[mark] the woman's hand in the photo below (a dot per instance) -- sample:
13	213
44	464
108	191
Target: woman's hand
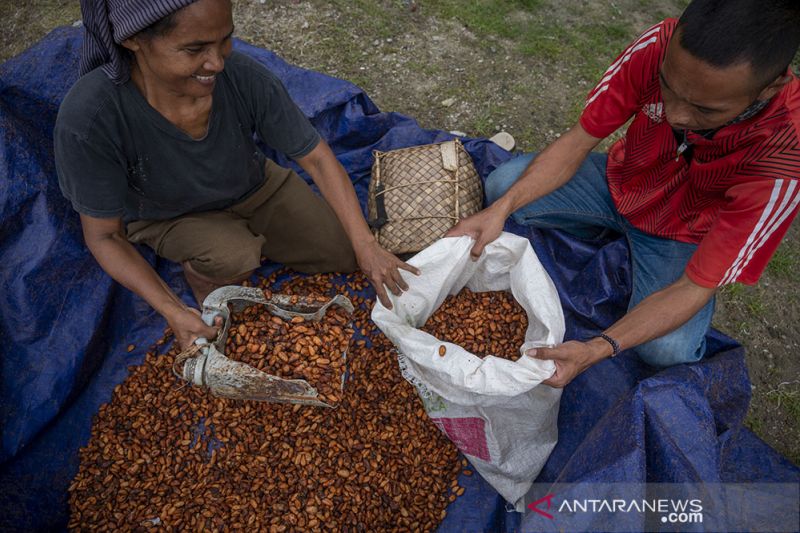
383	270
187	326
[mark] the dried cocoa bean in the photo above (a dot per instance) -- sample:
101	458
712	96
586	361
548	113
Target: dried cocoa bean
484	323
164	455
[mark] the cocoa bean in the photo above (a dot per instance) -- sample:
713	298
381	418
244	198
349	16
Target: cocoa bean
374	463
487	323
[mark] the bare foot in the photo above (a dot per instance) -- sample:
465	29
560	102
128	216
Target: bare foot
202	285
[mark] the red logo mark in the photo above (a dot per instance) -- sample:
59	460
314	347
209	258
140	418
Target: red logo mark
534	506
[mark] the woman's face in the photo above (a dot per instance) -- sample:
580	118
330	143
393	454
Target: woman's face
187	58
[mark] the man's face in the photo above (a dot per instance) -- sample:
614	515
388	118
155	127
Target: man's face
698	96
186	60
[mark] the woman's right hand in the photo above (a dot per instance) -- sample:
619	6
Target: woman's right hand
187	326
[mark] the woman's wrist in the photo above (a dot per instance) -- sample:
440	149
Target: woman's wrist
171	309
364	242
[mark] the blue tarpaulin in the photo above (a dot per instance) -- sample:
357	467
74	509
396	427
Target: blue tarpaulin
65	325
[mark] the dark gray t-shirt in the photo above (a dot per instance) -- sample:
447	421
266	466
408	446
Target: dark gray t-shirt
118	156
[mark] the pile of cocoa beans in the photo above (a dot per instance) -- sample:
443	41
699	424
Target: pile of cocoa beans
168	455
293	349
483	323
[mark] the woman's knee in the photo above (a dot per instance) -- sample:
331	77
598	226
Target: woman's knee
226	261
327	249
340	258
504	176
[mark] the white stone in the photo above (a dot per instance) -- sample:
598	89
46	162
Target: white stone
504	140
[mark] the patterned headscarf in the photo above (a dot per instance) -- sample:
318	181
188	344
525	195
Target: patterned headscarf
109	22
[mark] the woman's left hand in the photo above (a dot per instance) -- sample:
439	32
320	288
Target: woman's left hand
383	270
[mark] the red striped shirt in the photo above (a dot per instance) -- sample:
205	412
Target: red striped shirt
737	196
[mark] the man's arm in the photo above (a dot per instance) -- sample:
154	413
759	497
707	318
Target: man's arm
655	316
380	266
551	169
106	240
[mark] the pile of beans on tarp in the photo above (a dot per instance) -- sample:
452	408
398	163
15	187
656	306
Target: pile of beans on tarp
166	454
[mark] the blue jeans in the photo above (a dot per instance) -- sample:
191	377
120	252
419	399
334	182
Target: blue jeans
583	206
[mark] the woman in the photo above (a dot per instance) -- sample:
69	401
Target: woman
154	145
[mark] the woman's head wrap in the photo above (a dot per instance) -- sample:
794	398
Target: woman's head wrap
109	22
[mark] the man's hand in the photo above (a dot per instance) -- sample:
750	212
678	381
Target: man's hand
571	358
382	269
484	227
551	169
188	327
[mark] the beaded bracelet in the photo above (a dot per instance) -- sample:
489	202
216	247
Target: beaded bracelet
614	344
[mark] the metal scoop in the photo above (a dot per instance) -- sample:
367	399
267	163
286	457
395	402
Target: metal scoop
232	379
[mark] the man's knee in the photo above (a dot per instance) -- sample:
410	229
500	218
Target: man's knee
672	349
504	176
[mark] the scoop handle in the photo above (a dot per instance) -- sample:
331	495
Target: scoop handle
208	316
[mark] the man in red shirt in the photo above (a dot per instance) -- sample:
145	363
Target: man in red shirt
704	185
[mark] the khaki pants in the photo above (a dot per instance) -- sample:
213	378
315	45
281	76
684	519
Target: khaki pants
283	220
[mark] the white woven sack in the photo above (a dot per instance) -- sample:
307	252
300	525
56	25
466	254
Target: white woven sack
493	409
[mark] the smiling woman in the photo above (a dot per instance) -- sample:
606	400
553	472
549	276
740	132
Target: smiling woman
183	63
155	145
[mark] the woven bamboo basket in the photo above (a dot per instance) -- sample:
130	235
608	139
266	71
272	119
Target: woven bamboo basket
418	193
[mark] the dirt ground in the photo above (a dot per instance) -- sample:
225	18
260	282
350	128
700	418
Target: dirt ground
523	66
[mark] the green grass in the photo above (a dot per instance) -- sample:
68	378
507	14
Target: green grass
374	19
785	398
785	263
786	394
789	400
19	20
488	17
749	298
754	423
734	291
583	36
578	38
756	306
425	69
483	122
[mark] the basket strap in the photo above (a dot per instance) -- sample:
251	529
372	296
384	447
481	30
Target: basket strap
449	152
457	195
421	218
380	209
380	190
